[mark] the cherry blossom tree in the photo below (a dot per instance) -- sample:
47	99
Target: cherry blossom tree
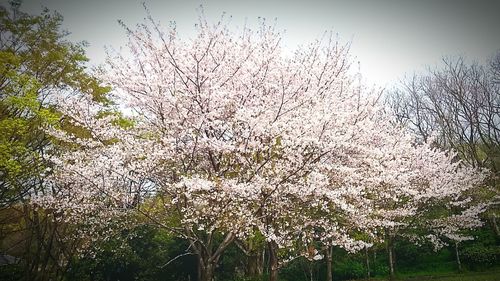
228	136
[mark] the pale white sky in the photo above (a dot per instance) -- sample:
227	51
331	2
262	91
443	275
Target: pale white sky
390	38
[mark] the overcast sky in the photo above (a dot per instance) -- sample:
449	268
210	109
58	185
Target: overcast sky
390	38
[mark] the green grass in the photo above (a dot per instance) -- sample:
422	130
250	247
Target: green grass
466	276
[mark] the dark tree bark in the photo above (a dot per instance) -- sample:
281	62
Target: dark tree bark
206	272
390	253
457	255
495	224
391	262
329	267
273	261
254	266
368	273
254	261
207	257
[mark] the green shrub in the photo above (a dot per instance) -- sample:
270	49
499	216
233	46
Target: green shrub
349	269
480	256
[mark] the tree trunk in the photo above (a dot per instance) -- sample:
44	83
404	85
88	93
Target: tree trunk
391	262
251	268
199	269
273	261
205	268
254	264
368	275
459	264
207	272
329	269
311	274
262	262
207	258
390	252
495	225
206	264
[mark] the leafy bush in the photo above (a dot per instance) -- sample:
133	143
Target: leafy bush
380	270
349	269
480	256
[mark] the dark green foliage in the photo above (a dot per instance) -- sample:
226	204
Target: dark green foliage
264	277
412	258
483	252
231	265
11	272
139	254
380	269
349	268
301	269
480	257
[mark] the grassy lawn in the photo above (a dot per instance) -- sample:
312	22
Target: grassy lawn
467	276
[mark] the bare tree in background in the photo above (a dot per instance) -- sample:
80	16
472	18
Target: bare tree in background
460	103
